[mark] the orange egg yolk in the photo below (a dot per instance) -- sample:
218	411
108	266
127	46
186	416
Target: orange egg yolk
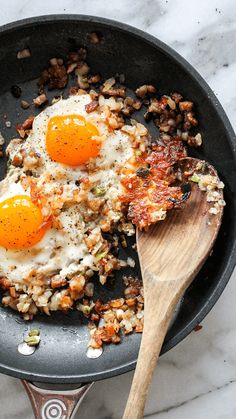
21	223
69	140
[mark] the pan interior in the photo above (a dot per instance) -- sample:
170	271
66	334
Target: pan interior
61	356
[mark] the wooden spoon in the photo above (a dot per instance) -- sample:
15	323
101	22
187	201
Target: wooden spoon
170	253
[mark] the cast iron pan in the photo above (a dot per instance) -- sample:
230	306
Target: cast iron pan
61	356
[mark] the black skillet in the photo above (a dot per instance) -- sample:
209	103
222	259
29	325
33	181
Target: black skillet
61	356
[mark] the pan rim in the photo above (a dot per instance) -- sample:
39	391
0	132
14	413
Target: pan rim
229	266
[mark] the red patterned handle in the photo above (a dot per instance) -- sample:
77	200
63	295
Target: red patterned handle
49	404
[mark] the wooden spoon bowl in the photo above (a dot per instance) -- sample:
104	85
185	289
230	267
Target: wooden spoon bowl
171	253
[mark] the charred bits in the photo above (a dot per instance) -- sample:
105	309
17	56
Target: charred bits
16	91
142	172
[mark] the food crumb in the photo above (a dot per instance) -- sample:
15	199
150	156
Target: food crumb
2	141
24	104
40	100
16	91
32	338
213	210
130	262
95	37
197	328
24	53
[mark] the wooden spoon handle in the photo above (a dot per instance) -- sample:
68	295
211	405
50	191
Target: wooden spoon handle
144	372
157	319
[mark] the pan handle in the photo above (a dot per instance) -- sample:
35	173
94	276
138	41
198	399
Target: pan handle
48	404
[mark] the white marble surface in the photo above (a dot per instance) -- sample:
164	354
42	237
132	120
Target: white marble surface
197	379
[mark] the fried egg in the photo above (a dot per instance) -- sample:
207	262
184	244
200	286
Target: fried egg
28	243
67	137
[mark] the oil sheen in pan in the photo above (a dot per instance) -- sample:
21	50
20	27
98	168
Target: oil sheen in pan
94	353
25	349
